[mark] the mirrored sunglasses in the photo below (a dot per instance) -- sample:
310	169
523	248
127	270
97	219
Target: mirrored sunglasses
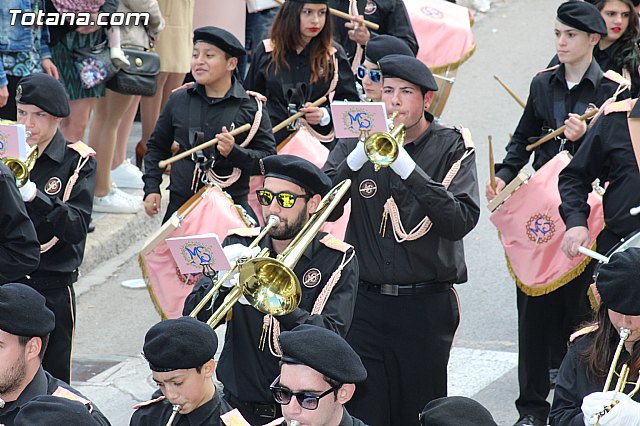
374	75
285	199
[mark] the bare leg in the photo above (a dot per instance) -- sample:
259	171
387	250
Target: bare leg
124	130
73	127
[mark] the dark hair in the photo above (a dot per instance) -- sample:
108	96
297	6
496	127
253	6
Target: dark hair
625	51
23	340
599	354
333	384
285	37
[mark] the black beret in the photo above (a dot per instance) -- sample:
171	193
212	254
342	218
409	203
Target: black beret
618	282
455	411
23	311
45	92
220	38
177	344
409	69
297	170
44	410
582	16
382	45
324	351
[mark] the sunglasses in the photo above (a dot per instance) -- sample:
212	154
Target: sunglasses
285	199
374	75
306	400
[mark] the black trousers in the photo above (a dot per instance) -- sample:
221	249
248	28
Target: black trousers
542	322
404	343
57	357
8	112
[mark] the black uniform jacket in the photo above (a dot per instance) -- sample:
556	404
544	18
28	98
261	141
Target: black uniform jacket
45	384
245	370
52	217
180	115
347	420
158	412
573	384
606	153
263	79
19	247
391	15
549	103
436	257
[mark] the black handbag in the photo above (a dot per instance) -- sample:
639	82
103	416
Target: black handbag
140	78
94	65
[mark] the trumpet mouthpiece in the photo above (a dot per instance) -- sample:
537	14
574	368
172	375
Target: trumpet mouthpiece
273	220
624	333
294	423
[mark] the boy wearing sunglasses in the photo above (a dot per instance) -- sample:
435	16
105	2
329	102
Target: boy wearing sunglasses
327	270
318	375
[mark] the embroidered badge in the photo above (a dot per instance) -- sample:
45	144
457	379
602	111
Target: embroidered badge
53	186
432	12
370	8
367	188
540	228
311	278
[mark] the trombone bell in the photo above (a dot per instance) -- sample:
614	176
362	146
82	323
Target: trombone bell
270	286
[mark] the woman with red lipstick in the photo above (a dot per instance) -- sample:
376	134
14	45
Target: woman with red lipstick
300	63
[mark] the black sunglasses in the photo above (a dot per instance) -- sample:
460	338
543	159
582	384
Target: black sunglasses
285	199
307	400
374	75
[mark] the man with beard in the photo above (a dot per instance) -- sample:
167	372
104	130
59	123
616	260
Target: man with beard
25	324
327	270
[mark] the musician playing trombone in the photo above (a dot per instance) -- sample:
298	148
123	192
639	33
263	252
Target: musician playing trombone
557	97
328	275
580	396
211	108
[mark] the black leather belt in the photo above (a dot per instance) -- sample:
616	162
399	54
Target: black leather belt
406	289
266	411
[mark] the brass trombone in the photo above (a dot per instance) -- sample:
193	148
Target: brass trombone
269	284
382	148
22	169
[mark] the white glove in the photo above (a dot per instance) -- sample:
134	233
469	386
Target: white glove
594	403
404	164
28	191
326	117
626	412
357	158
232	282
235	251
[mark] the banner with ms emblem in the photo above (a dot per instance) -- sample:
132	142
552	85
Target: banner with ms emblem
531	231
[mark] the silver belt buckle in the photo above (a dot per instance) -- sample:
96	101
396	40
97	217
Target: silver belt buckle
389	289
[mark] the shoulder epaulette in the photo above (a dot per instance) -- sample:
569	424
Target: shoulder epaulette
466	137
257	95
616	78
548	69
244	232
82	148
625	105
268	46
234	418
335	244
582	332
68	394
146	403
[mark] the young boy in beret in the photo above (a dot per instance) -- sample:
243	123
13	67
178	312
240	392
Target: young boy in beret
59	201
25	325
558	96
455	411
210	108
318	375
180	354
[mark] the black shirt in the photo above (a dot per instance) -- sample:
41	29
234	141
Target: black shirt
606	153
158	413
67	221
263	79
391	15
548	105
174	123
244	369
438	256
19	247
347	420
44	383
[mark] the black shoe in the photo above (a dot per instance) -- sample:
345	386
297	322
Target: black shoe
553	377
91	227
529	420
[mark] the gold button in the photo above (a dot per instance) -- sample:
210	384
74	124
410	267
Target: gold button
138	62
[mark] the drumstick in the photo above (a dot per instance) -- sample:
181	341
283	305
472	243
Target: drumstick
593	254
297	115
492	167
511	92
234	132
340	14
559	131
